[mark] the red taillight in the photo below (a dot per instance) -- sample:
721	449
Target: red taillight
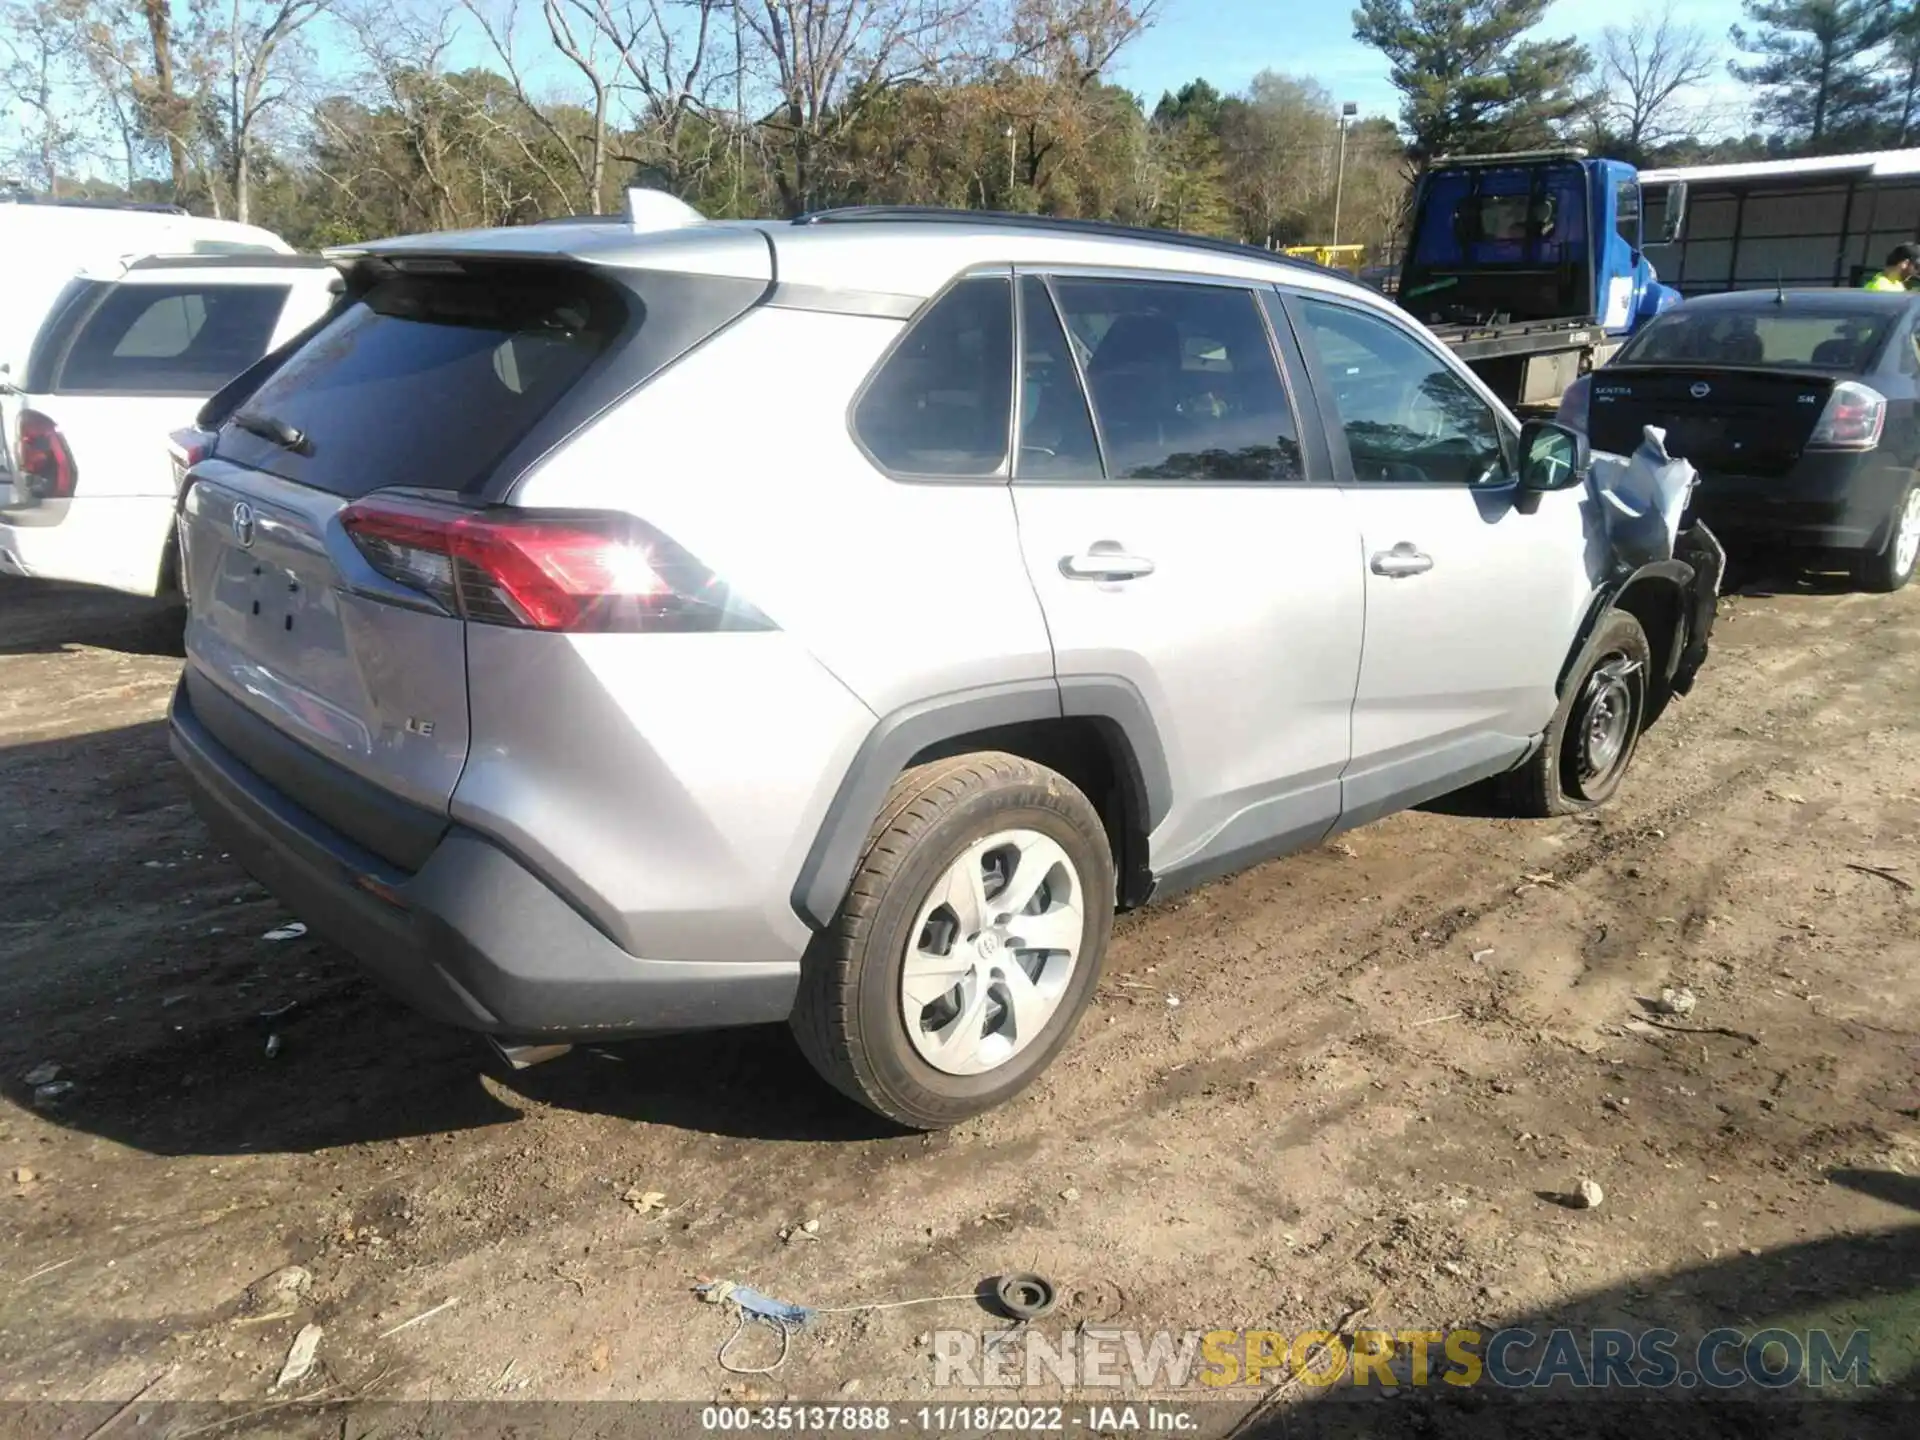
544	571
186	448
1854	416
45	458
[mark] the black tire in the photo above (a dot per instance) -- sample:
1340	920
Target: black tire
848	1016
1556	780
1881	571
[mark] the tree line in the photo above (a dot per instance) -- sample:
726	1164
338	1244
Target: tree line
336	120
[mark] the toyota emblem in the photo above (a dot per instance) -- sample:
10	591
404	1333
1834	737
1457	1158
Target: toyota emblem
243	525
1700	390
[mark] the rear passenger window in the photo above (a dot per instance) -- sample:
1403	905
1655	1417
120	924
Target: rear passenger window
941	401
171	339
1184	381
1056	432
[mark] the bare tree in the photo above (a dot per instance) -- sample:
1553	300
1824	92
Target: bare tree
668	62
38	57
256	42
827	61
1646	72
1054	53
586	155
163	109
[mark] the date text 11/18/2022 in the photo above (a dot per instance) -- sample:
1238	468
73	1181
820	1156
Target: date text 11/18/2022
948	1419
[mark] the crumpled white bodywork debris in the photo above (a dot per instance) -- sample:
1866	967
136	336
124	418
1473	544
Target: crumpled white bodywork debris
1640	499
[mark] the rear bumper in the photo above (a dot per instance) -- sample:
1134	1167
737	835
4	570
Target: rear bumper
1837	501
118	541
473	938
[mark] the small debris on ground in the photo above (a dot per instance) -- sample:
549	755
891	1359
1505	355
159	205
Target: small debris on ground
276	1294
293	930
45	1073
23	1176
1885	872
273	1045
1585	1195
1674	1000
806	1230
423	1315
644	1200
300	1356
52	1092
1483	954
1070	1194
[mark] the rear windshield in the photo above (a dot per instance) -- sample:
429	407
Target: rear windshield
428	380
186	339
1834	339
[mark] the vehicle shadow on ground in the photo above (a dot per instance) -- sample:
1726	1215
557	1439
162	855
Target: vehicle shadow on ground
1839	1284
752	1084
352	1067
1763	576
41	617
134	959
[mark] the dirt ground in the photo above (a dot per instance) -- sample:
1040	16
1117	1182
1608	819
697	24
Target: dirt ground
1385	1057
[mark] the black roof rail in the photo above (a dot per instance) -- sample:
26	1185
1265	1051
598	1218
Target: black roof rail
937	215
232	260
18	197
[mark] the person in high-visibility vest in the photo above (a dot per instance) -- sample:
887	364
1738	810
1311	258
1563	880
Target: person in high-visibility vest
1903	263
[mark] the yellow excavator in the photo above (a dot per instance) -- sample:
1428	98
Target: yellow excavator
1334	257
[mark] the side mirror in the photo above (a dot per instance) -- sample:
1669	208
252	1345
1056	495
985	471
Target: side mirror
1552	456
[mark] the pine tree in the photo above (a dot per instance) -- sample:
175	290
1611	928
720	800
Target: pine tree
1815	68
1468	82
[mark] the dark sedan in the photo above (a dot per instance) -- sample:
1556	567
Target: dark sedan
1800	410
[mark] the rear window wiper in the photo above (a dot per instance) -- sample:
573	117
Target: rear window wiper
271	427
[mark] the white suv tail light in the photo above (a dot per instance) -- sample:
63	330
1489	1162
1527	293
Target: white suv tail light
1853	419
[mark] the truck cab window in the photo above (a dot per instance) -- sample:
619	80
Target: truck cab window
1626	212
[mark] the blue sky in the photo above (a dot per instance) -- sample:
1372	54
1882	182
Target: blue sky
1230	41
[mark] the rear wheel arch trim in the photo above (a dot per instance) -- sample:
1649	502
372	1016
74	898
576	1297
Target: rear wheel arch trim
904	733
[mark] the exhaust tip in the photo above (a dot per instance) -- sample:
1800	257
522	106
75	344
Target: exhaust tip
520	1057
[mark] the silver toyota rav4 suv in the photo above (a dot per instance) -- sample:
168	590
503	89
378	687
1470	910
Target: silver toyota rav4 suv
600	629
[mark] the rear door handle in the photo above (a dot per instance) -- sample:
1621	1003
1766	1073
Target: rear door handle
1105	560
1402	560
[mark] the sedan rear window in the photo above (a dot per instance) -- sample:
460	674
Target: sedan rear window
428	379
187	339
1798	338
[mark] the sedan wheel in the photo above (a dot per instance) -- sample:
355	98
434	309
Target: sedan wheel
1891	567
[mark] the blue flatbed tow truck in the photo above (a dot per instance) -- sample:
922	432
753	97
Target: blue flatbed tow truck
1532	265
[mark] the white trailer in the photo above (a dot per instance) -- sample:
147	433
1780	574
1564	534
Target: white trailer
1827	220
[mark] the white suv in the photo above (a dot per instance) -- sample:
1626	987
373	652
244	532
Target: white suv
601	630
122	360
